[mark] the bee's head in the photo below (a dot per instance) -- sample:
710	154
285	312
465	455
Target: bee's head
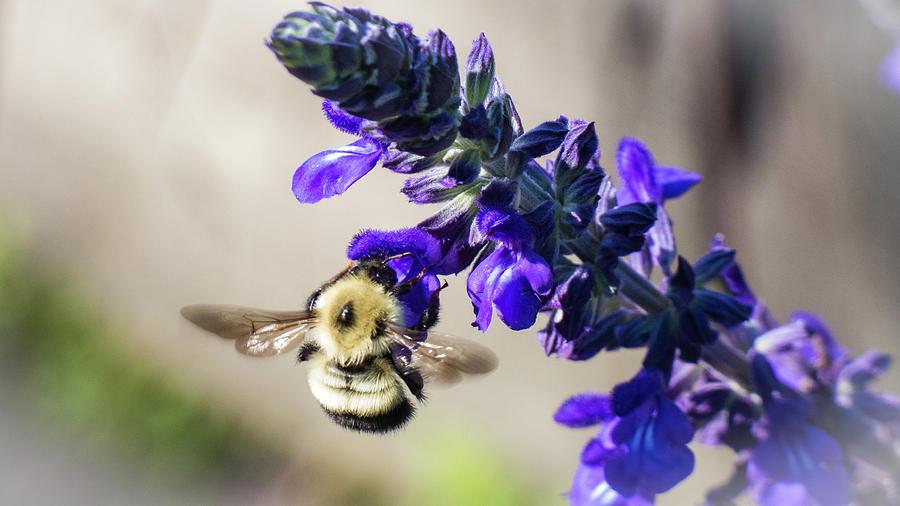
378	271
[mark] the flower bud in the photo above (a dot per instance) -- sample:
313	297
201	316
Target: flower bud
479	71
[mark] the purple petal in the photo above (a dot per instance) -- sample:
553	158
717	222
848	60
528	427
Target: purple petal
590	488
451	226
815	324
385	243
517	305
677	429
416	300
636	168
781	337
657	457
781	493
504	225
674	181
880	406
331	172
530	266
513	281
584	410
597	452
732	275
804	455
482	283
517	295
636	391
890	70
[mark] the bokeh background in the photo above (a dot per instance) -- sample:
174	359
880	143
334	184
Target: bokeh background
146	153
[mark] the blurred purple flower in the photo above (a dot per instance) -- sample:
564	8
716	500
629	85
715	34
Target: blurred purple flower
890	70
797	463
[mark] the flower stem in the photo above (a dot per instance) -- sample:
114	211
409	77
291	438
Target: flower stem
640	290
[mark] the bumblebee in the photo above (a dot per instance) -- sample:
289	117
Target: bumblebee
366	365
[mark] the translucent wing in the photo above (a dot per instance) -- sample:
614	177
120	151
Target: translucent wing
440	357
258	332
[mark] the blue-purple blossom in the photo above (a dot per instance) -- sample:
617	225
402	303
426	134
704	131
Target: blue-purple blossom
513	281
642	452
797	462
415	251
513	278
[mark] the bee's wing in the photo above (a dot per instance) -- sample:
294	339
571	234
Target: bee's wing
443	358
258	332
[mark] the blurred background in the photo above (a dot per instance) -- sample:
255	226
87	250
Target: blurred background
146	154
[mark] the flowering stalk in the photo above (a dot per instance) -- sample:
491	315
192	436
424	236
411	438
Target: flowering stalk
543	230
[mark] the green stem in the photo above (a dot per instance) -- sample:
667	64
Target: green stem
640	290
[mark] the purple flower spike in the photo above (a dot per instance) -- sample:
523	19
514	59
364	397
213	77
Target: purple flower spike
514	282
331	172
890	70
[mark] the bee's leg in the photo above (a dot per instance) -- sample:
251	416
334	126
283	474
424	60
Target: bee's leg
406	286
430	315
401	358
308	349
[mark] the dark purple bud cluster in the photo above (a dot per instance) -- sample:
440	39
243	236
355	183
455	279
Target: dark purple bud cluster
406	89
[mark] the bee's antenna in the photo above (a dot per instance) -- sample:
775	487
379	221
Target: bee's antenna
401	255
406	286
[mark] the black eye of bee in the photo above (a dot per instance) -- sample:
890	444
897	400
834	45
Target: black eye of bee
345	317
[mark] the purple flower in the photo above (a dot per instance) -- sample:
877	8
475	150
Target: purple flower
513	281
655	435
797	463
419	251
644	181
513	277
641	451
890	70
332	171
